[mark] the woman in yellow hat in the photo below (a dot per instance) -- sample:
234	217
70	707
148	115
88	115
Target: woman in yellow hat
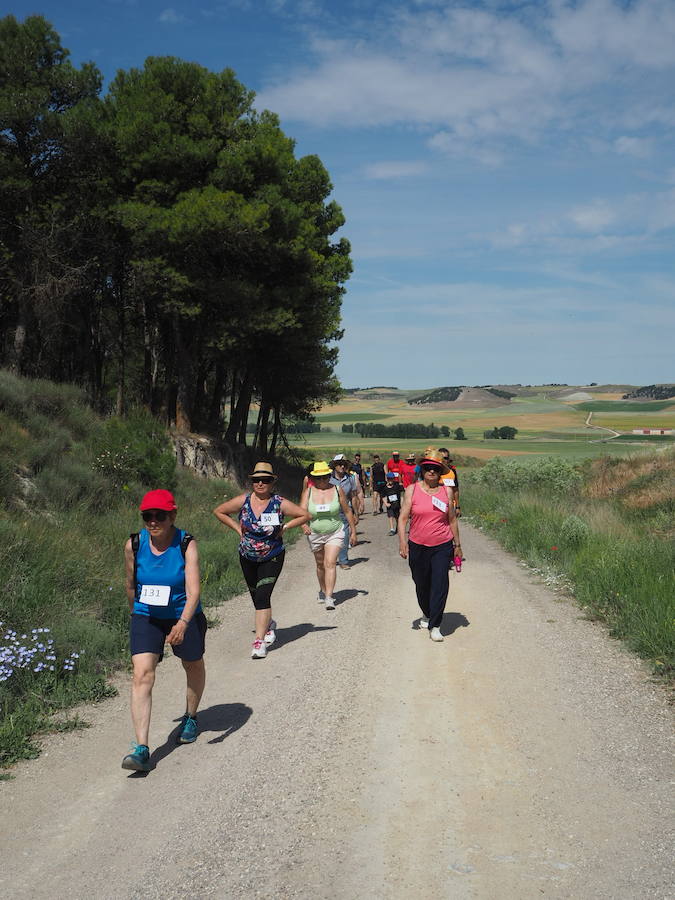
260	526
433	539
326	533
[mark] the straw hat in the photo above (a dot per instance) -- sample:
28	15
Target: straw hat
263	468
433	456
321	468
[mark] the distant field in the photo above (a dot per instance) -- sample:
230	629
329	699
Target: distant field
546	425
646	438
622	406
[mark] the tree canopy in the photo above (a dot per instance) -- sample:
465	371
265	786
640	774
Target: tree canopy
163	245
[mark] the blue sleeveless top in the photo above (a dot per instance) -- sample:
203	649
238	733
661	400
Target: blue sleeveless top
260	542
165	570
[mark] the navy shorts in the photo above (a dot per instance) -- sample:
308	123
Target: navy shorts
147	634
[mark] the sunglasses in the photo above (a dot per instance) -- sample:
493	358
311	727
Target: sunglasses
262	479
435	469
320	476
159	515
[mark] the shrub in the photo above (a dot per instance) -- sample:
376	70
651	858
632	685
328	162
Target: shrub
135	449
548	474
574	531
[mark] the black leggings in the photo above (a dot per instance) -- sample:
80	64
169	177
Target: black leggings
429	567
261	578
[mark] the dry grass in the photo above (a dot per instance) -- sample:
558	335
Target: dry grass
642	481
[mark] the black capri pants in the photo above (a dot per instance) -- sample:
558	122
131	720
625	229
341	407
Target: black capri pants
261	578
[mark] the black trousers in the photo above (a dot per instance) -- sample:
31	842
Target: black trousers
429	567
261	578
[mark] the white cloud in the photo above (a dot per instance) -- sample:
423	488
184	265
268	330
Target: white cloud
395	169
640	148
169	16
594	217
482	80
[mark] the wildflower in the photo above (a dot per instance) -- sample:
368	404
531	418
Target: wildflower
554	548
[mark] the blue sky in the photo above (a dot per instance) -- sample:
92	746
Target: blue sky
506	168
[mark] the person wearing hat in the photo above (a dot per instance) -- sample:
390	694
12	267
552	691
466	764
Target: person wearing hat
328	507
162	583
392	500
408	470
394	464
260	526
432	541
342	479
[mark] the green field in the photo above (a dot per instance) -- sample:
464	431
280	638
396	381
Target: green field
621	406
546	425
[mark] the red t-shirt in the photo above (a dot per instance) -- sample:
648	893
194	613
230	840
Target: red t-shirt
394	467
407	473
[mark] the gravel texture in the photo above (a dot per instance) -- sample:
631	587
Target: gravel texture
528	755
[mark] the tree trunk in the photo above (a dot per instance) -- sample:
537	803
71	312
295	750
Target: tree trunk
215	414
275	431
263	427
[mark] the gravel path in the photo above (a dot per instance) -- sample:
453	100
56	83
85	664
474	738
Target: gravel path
526	756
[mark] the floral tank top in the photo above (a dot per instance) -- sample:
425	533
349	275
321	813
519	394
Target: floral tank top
261	538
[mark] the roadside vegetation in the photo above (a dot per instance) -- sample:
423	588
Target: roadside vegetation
603	529
70	484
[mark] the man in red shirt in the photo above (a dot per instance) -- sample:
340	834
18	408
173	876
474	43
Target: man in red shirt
408	470
394	465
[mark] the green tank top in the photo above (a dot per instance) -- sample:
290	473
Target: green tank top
325	516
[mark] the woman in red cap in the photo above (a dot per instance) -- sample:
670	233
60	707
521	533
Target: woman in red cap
162	580
260	526
434	533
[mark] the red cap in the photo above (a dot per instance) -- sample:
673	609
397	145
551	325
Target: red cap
159	499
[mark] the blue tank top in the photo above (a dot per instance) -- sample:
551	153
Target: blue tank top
156	572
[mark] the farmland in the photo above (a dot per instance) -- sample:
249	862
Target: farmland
547	423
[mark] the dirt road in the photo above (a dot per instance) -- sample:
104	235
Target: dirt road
527	756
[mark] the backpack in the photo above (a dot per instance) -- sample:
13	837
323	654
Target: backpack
136	543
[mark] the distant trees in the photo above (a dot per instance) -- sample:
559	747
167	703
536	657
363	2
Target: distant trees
459	434
505	433
163	245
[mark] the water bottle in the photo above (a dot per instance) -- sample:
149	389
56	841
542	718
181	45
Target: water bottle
458	564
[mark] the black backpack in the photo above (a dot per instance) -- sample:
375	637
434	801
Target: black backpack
136	543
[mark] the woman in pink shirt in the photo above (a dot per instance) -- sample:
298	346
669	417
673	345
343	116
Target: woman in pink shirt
432	542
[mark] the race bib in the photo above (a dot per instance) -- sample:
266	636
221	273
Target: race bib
322	507
393	498
155	594
270	519
448	482
439	504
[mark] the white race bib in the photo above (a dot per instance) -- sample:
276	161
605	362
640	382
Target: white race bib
155	594
393	498
448	482
439	504
270	519
322	507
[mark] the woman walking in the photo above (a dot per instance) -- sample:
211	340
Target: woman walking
260	526
434	532
324	502
162	580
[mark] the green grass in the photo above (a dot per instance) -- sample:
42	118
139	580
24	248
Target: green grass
352	417
618	569
645	438
620	406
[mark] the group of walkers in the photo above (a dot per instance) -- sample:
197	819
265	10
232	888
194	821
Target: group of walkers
162	561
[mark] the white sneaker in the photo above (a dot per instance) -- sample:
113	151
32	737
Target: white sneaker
322	597
424	623
270	634
330	603
259	650
435	634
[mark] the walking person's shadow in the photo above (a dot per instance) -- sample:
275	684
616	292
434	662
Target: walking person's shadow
450	623
341	597
225	718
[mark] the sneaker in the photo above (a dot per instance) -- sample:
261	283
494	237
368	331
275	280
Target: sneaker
188	730
259	650
435	634
330	603
322	597
424	623
138	760
270	634
392	531
344	565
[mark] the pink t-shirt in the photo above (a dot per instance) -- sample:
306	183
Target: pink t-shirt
429	517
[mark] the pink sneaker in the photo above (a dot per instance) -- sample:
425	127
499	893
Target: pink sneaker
270	635
259	650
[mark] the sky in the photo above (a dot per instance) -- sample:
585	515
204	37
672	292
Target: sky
506	169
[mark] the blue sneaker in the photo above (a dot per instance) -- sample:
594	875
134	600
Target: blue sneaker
138	760
188	730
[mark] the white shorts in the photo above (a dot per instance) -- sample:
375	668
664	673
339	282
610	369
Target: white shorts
330	539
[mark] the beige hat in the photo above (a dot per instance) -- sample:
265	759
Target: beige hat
433	456
263	468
